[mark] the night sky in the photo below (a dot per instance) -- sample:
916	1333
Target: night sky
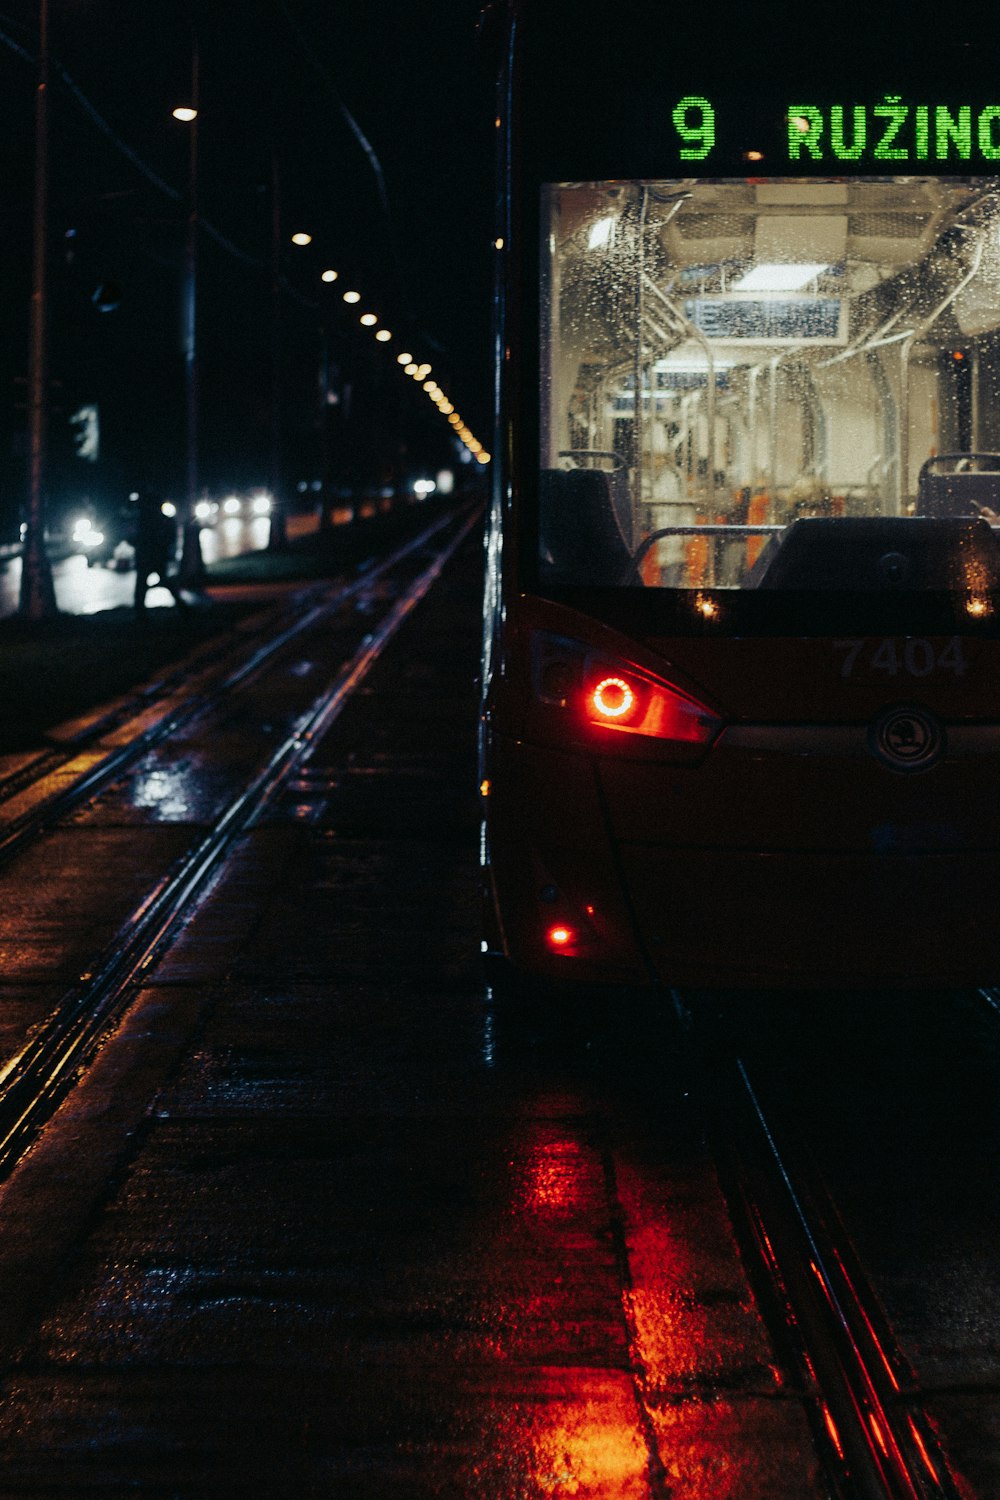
274	76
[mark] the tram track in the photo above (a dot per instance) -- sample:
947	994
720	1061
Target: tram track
224	674
872	1436
35	1080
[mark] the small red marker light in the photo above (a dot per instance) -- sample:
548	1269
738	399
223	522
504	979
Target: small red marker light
560	937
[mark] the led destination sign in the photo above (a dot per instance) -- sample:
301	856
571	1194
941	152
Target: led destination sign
888	130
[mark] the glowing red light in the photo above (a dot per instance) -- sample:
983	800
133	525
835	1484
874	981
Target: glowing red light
560	937
612	698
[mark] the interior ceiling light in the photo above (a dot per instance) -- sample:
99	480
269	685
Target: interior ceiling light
329	276
301	238
776	278
600	234
352	296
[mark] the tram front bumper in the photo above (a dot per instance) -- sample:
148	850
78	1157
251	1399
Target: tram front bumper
806	919
636	868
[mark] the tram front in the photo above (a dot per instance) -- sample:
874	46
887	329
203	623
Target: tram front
741	714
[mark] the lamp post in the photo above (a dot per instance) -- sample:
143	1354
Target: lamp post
37	596
278	536
192	566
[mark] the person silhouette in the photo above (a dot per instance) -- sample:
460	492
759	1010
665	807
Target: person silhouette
155	549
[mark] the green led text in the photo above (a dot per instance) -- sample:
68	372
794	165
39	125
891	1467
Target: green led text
893	130
694	121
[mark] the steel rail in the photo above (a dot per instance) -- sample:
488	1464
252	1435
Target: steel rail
22	830
991	997
33	1083
870	1400
871	1434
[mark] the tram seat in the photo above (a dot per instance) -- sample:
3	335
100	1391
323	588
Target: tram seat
581	539
862	553
957	484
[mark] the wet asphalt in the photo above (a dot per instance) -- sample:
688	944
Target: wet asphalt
322	1221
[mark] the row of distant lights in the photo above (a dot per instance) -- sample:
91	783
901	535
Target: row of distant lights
421	373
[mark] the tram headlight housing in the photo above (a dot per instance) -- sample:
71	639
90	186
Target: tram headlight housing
599	693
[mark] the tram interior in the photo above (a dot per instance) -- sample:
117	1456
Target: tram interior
817	364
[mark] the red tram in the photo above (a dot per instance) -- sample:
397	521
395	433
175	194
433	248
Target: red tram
741	716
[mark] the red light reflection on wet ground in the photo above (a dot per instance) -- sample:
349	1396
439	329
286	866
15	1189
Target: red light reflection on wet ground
584	1447
653	1371
557	1178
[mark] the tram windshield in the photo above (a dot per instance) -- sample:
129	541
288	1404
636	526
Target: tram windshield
771	384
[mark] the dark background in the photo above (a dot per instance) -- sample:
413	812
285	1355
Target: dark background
275	76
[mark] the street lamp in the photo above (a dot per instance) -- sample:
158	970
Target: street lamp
192	565
277	539
38	597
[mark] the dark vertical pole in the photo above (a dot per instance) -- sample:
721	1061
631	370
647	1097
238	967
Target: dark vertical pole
278	538
37	599
192	563
326	496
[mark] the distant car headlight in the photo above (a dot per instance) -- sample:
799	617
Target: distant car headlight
203	511
86	534
261	505
232	506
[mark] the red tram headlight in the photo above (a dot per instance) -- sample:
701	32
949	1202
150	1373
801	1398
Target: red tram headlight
598	691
